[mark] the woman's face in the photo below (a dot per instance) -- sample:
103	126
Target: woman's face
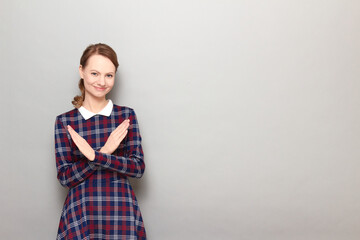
98	75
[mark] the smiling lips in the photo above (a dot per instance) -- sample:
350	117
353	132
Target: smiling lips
100	89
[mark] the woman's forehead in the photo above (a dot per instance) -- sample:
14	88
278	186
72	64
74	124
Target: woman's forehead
100	63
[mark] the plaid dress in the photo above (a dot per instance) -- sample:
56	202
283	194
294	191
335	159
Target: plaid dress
101	203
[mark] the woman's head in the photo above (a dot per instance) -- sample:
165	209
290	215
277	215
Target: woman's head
98	65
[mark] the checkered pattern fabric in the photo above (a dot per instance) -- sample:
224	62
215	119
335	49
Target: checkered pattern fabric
101	203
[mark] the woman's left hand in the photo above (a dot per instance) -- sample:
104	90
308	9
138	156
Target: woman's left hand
82	144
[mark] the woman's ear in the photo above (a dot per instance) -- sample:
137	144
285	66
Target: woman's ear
81	72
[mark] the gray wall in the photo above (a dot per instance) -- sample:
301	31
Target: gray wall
249	112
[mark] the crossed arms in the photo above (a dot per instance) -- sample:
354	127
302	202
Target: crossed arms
70	173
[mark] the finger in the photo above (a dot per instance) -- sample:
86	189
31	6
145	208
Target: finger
70	130
122	136
79	140
74	136
125	122
122	128
124	125
120	131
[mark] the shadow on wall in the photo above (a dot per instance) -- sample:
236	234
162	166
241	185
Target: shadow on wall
139	186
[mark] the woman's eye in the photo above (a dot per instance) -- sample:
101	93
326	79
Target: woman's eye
94	74
109	75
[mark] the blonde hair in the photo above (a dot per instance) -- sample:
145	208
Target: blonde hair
93	49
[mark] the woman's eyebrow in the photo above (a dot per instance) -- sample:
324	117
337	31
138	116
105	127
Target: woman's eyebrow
98	71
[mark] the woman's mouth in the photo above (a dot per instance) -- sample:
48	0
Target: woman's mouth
100	89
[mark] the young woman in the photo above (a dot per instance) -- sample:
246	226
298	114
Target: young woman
97	147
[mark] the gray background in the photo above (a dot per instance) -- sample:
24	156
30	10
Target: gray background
249	112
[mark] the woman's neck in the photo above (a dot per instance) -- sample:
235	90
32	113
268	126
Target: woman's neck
95	105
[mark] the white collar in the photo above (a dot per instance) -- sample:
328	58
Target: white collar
106	111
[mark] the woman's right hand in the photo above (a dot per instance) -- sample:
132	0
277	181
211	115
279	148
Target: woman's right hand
116	137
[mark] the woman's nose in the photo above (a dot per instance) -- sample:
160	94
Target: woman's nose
102	80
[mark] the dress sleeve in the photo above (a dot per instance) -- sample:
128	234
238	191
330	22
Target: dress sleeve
69	172
132	163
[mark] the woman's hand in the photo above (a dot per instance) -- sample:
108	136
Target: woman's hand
116	137
82	144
